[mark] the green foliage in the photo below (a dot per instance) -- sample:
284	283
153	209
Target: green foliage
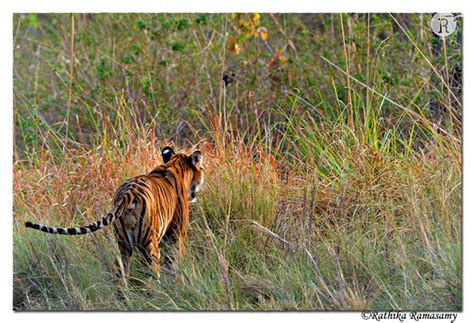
104	70
201	19
182	23
177	46
142	24
146	86
33	20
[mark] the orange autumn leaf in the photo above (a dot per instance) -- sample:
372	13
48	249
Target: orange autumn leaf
278	57
262	31
232	45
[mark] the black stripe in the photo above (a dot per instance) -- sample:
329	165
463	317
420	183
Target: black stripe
146	244
166	179
141	190
92	227
139	234
141	182
44	229
122	224
159	171
71	231
124	245
175	178
142	217
83	230
146	236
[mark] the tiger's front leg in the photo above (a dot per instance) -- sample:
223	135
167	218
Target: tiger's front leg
182	223
182	245
176	234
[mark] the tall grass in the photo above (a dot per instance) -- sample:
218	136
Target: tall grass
341	196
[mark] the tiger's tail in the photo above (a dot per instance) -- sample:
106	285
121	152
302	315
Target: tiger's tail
92	227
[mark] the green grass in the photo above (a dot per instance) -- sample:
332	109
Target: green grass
333	161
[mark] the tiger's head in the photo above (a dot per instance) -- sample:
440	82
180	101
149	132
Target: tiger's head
190	165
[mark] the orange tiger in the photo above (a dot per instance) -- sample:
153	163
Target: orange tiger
148	207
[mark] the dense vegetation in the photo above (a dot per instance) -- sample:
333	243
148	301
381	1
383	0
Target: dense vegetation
332	146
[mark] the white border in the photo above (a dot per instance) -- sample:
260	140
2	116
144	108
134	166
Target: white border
235	6
6	10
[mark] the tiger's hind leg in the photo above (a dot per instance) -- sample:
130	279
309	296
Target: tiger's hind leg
126	249
123	266
151	254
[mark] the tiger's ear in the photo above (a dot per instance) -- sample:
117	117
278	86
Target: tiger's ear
167	153
195	158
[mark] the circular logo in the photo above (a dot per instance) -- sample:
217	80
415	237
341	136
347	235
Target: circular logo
366	315
443	24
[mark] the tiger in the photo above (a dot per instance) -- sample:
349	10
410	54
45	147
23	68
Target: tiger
147	208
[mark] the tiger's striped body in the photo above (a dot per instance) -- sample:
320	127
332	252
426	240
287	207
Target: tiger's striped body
148	207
